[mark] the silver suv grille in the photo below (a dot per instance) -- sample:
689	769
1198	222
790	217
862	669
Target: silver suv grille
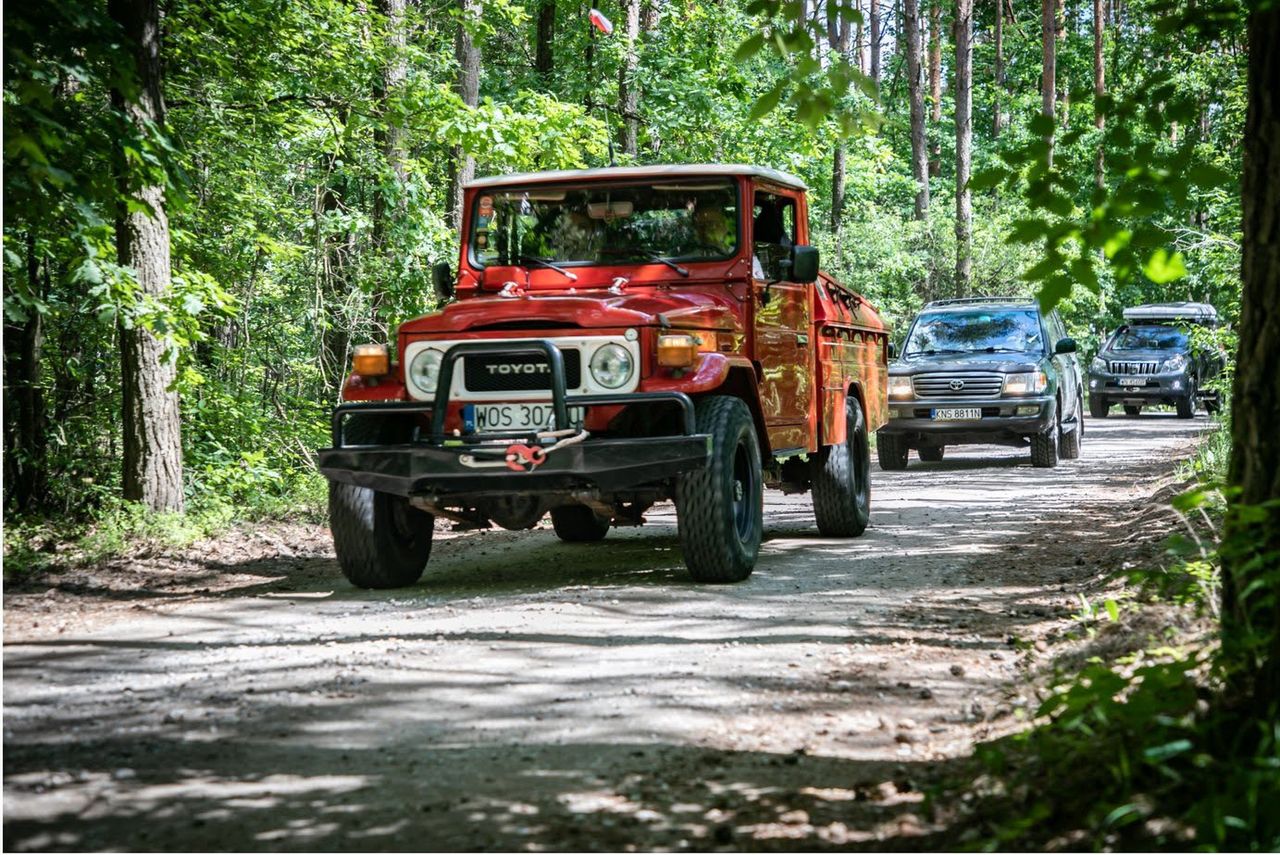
1123	367
960	384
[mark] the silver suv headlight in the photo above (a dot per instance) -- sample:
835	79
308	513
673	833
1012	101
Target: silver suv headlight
1098	364
1177	362
900	388
424	371
611	366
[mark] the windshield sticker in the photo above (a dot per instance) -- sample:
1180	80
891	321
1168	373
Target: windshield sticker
484	208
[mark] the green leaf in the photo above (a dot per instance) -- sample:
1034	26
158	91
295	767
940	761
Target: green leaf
767	102
985	179
1113	610
1160	753
1163	267
1040	125
749	48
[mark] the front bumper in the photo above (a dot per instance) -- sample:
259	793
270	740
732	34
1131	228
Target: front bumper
1155	388
443	465
1003	420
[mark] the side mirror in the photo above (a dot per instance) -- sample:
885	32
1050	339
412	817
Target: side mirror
893	351
442	281
804	264
1065	345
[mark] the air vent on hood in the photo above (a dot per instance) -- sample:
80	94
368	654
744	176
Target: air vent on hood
525	325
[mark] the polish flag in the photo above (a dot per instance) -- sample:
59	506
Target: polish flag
600	22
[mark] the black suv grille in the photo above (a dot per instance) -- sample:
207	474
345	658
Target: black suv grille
519	373
1126	367
959	384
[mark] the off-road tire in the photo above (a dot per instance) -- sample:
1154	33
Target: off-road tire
841	477
1099	407
1044	446
380	539
578	524
891	451
1186	406
1069	441
720	509
932	453
1132	411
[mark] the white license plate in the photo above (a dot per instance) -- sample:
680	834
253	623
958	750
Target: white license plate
957	414
1133	381
498	417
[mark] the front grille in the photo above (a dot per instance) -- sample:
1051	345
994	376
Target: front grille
960	384
1118	366
519	372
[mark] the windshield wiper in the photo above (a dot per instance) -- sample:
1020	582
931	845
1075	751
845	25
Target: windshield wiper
1001	350
570	275
651	256
936	351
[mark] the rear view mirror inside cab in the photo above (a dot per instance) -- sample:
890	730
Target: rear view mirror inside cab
610	210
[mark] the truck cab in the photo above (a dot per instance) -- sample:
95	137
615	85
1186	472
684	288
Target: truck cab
609	339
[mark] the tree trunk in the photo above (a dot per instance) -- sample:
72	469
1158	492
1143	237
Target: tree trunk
997	121
874	8
389	134
838	34
650	15
1251	547
1048	73
915	91
152	420
26	439
935	85
462	166
544	56
628	91
964	139
1099	89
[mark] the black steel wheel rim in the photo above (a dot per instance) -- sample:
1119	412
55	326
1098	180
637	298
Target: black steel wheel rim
743	488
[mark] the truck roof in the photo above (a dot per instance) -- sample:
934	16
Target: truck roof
633	172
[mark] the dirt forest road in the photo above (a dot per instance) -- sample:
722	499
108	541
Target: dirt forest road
531	695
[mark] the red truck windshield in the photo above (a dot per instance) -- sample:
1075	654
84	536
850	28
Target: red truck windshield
599	224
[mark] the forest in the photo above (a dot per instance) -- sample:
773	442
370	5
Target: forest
208	204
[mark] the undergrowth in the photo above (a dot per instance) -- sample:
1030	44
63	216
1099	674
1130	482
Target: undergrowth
1150	749
111	526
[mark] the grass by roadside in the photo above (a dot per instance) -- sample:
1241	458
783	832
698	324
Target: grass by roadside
1135	743
116	528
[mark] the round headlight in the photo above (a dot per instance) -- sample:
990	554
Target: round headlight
611	366
424	371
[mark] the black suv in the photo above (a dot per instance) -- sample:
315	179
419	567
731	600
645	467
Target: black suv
986	370
1151	360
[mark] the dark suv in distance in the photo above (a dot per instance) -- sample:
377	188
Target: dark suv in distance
1151	360
984	370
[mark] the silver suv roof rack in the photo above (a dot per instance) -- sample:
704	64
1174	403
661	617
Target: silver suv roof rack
963	301
1181	311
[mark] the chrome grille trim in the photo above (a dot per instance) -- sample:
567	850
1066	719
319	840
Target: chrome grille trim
975	384
1124	366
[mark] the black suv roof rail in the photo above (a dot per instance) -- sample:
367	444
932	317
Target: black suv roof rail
961	301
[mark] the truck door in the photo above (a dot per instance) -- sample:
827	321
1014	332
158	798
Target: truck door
782	345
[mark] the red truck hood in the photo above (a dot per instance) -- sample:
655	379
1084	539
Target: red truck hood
709	307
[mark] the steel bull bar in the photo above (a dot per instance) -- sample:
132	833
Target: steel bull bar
525	461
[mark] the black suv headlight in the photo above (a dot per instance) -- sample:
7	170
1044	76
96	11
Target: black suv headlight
1174	363
1098	364
900	388
1031	383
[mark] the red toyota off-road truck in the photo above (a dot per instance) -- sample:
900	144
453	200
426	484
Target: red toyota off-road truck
614	338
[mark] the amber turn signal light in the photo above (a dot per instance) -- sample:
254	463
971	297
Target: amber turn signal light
677	351
370	360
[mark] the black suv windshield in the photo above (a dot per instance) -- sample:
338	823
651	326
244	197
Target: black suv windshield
975	331
687	220
1150	338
